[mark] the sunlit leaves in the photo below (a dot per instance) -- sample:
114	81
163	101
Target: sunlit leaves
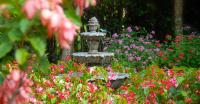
24	25
43	64
15	35
5	47
76	19
38	44
21	56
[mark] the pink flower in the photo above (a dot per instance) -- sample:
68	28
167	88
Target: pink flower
138	58
54	67
120	41
170	72
15	81
173	82
81	4
130	58
39	90
53	17
198	78
92	87
137	28
144	63
141	48
153	32
115	35
31	7
129	29
111	76
133	46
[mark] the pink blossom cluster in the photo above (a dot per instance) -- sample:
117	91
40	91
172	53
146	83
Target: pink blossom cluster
53	17
170	83
129	29
81	4
129	97
92	87
16	89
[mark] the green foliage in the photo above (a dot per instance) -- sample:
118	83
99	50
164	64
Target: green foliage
38	45
21	56
24	25
183	51
5	47
114	15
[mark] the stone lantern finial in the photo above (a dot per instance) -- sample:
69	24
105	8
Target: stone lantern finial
93	24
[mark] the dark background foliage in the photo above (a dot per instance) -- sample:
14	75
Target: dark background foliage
152	14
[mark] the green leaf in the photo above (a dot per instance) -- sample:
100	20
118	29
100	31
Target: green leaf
180	80
71	14
24	25
53	101
38	44
184	93
1	78
15	35
21	56
44	97
146	91
43	64
5	47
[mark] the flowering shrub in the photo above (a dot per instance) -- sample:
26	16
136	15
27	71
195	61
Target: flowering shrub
16	89
22	33
133	48
183	51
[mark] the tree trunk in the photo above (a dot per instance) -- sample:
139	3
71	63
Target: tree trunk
178	14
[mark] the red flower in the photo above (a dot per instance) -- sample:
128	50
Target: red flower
161	90
108	84
188	100
160	53
190	51
51	96
170	49
67	79
165	58
61	95
181	55
54	67
158	45
68	58
124	88
170	72
80	81
176	59
92	87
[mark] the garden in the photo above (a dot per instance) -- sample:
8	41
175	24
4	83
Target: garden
98	52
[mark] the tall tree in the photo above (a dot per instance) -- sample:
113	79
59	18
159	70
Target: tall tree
178	14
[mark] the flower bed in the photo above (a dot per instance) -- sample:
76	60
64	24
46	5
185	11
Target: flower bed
152	85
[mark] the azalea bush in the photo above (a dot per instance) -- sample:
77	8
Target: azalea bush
134	47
